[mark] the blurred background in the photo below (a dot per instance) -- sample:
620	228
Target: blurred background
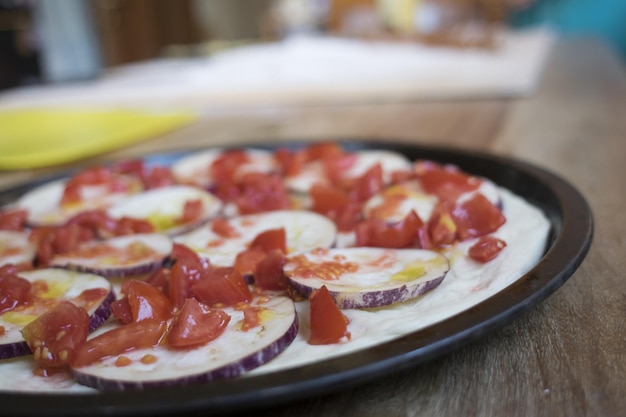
56	41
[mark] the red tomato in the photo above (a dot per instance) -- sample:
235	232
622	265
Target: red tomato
223	228
132	167
55	336
247	260
14	220
290	163
377	233
486	249
328	323
268	273
129	226
441	228
223	286
259	192
477	217
270	240
121	310
188	269
138	335
335	204
145	301
192	210
447	183
14	290
160	279
321	150
368	184
96	220
226	165
157	177
196	324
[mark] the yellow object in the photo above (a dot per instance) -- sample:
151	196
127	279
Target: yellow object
35	138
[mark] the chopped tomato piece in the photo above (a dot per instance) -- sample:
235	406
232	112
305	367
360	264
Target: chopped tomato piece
128	226
477	216
160	279
54	336
321	150
268	273
223	286
196	324
328	324
335	204
377	233
14	220
486	249
223	228
121	310
188	269
441	228
259	192
447	183
247	260
226	165
192	210
138	335
368	184
14	290
145	301
270	240
290	163
157	177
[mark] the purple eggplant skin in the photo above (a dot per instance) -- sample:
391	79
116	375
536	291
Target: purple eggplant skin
231	370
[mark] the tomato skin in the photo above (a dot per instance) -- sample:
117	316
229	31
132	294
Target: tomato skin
476	217
328	324
137	335
14	290
196	324
486	249
442	229
223	286
368	184
192	210
268	273
259	192
146	302
223	228
247	260
335	204
121	310
55	336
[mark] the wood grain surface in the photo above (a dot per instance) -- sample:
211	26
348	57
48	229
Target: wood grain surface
567	356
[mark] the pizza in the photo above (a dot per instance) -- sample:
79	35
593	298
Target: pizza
238	261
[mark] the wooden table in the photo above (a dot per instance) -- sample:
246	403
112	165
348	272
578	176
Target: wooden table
567	357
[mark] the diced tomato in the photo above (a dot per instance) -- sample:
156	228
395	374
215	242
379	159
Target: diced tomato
160	279
188	269
226	165
259	192
14	220
290	163
54	336
196	324
14	290
268	273
137	335
223	228
145	301
223	286
132	167
328	324
486	249
335	204
441	227
128	226
121	310
192	210
377	233
95	220
247	260
477	216
321	150
447	183
368	184
335	166
157	177
270	240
